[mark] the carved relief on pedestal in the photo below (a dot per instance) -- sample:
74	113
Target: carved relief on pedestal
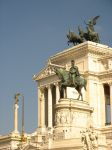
62	117
70	117
79	119
57	118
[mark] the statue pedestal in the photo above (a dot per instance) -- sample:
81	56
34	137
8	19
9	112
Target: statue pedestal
72	116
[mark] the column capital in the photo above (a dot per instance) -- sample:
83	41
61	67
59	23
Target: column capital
56	83
110	83
49	86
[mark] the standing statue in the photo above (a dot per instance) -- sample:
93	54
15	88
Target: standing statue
16	98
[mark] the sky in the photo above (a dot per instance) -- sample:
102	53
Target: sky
30	32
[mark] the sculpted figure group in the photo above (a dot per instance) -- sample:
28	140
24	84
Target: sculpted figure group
89	35
89	139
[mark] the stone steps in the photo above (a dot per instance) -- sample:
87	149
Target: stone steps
70	144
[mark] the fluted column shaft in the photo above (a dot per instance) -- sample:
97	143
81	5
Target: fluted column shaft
102	103
41	108
57	93
49	107
111	101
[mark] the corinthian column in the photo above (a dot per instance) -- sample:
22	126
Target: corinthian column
57	93
42	101
49	107
111	100
41	108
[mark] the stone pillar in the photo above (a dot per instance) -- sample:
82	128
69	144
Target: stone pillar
50	122
38	101
57	93
102	103
16	117
111	100
41	108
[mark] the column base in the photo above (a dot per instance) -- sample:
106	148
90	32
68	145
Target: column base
15	132
41	130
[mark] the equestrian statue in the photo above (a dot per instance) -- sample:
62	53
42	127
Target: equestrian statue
71	78
89	35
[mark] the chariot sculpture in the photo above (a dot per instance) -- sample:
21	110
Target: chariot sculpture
89	35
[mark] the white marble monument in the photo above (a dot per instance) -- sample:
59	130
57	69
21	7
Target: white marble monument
63	119
68	123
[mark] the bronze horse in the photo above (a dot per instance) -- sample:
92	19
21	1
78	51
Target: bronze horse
73	38
93	35
89	35
63	75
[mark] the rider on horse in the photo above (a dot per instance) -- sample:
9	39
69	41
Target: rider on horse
74	74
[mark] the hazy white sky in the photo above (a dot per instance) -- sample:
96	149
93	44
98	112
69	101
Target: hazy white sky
30	32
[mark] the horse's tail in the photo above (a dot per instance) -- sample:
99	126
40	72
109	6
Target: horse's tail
85	88
85	84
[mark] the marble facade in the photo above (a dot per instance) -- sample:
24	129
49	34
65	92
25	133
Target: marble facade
95	64
61	121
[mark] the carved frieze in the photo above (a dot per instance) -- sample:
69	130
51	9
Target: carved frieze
70	117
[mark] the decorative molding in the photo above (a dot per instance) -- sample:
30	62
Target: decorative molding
107	63
82	49
46	72
78	51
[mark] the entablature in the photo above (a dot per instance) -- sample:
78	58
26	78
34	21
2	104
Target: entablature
101	53
102	77
106	61
82	49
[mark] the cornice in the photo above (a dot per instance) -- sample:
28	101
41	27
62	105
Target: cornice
105	57
103	73
87	48
75	51
102	77
96	75
81	49
9	138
